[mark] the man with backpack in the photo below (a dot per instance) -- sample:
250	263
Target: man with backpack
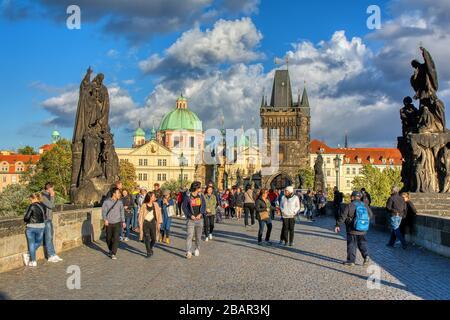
356	217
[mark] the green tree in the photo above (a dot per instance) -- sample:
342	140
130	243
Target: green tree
27	150
127	174
14	200
307	175
174	185
378	183
54	166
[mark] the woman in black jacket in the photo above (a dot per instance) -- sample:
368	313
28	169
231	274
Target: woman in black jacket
34	218
411	213
262	206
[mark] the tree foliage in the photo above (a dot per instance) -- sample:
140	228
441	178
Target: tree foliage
127	174
307	175
14	200
54	166
27	150
174	185
378	183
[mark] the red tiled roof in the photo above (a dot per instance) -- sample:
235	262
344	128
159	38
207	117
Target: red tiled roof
365	154
14	158
46	147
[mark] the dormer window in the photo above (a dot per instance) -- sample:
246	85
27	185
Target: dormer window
383	160
4	167
358	159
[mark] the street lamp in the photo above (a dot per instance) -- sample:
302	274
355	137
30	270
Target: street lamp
337	165
183	163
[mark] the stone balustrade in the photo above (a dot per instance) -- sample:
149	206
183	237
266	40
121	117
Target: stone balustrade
72	228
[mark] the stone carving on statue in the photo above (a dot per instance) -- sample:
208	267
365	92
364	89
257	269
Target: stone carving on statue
238	178
425	141
445	168
425	84
409	116
319	177
95	165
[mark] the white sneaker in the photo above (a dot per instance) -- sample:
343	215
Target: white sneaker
210	236
188	255
127	239
53	259
196	253
32	264
206	239
121	238
58	258
26	259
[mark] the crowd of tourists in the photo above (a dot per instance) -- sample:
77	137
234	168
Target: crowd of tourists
148	216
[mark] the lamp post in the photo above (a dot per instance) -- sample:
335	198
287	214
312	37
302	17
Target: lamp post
183	163
337	165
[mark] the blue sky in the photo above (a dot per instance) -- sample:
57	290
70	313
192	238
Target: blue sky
42	62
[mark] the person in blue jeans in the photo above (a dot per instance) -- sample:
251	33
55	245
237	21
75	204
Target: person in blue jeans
262	205
127	201
396	234
34	219
48	201
396	206
167	209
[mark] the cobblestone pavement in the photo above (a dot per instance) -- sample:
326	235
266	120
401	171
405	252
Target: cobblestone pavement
233	266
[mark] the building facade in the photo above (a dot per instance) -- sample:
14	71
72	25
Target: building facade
176	147
13	166
293	122
352	161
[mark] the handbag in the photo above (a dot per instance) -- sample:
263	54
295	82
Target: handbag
264	215
170	211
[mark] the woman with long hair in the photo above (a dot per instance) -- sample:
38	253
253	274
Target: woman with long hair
167	205
149	222
239	203
128	203
226	203
35	221
262	208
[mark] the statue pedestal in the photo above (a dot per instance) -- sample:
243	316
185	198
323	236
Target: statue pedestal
426	167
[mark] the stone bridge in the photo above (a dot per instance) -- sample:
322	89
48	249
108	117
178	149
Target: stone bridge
232	266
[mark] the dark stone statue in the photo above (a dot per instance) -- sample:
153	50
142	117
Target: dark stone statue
319	177
299	181
425	142
238	178
95	164
409	116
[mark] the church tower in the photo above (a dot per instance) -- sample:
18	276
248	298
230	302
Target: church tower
293	122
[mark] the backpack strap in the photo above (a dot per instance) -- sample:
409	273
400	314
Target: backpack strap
110	209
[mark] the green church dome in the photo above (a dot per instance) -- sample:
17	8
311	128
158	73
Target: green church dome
139	133
181	118
243	142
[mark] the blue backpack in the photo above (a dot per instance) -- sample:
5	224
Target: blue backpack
361	217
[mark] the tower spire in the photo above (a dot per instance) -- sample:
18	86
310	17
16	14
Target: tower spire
346	140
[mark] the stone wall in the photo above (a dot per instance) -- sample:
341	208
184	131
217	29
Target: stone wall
429	231
71	229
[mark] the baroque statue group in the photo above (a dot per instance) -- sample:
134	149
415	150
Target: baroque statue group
425	144
95	165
